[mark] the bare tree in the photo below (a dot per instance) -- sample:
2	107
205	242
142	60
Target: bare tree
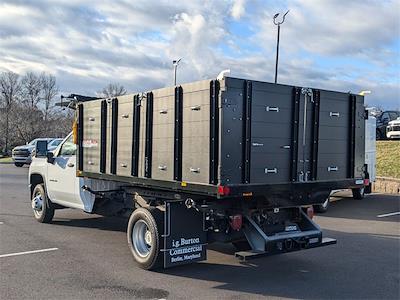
60	123
10	87
32	90
32	85
49	91
25	123
112	90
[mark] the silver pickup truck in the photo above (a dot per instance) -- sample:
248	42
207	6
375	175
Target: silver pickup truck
22	155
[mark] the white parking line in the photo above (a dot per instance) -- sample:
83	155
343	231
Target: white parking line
389	215
28	252
1	223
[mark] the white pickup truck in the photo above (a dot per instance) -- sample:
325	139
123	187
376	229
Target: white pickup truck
393	129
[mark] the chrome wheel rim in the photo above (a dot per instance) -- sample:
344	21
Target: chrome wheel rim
37	205
141	238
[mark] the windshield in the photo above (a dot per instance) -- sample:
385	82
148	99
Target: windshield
55	142
33	143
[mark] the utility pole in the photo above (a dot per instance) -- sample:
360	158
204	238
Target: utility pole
175	63
277	23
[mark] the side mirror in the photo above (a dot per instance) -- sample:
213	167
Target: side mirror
50	157
41	149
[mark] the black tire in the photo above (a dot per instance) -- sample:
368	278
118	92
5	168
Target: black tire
154	221
19	164
242	245
368	188
322	208
359	193
46	213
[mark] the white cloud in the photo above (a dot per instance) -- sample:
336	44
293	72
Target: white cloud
238	9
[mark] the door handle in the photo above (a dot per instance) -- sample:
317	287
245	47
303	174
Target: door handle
196	107
194	170
272	108
334	114
70	165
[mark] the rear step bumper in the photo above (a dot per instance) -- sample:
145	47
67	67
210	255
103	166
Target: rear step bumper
284	242
247	255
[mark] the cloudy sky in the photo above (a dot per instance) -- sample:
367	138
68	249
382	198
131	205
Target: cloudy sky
343	45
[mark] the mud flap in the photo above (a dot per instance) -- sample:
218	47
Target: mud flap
185	237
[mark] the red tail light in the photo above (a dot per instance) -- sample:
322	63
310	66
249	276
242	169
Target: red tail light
366	181
223	190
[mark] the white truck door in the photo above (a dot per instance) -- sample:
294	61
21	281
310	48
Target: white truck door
62	183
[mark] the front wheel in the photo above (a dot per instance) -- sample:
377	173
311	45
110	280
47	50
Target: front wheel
144	231
358	193
41	206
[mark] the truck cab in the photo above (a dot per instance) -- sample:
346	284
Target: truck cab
52	175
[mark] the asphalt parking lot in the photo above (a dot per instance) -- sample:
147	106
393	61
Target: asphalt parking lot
87	257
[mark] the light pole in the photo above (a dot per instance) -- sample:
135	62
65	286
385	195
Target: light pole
175	63
277	41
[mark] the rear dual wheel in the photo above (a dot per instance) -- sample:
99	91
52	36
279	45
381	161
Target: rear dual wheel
144	231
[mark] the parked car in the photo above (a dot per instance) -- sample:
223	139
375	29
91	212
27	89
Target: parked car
22	155
54	144
382	121
393	129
